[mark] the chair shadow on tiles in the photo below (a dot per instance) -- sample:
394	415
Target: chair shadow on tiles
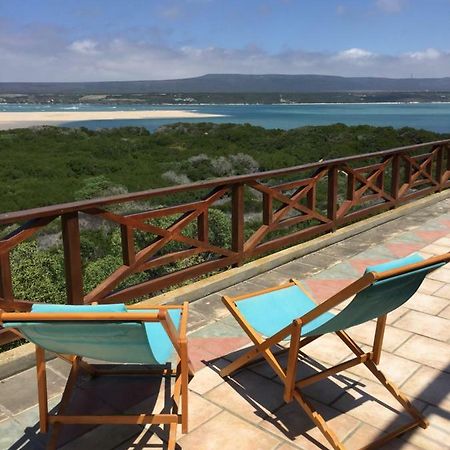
109	395
436	391
335	397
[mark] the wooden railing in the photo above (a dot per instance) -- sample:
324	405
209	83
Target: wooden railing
295	204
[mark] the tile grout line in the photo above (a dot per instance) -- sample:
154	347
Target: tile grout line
417	332
394	350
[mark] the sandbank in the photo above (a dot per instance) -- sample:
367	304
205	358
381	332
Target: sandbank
21	119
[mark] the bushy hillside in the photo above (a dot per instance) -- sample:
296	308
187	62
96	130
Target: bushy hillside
48	165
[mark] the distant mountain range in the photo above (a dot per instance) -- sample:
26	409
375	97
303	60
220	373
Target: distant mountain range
235	83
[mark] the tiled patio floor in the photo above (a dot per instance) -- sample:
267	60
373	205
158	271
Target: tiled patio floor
247	411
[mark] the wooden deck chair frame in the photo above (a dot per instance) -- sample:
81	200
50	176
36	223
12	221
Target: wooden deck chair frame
292	387
179	412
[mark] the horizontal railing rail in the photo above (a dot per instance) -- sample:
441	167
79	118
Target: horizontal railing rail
267	211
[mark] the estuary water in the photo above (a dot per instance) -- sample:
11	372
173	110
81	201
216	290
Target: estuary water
429	116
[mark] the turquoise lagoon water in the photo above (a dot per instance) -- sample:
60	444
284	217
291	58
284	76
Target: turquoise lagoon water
429	116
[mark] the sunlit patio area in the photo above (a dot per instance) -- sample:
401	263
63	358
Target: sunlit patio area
246	410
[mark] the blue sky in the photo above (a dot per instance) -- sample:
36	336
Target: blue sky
56	40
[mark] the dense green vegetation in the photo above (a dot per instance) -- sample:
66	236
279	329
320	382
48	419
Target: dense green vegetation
48	165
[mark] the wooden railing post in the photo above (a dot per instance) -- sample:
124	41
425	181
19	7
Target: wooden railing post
72	258
447	147
395	177
267	209
127	239
439	167
237	220
6	288
203	227
332	195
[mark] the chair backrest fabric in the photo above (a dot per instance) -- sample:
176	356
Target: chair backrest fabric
380	298
122	342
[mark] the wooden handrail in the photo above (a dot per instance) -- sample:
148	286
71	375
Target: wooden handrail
78	317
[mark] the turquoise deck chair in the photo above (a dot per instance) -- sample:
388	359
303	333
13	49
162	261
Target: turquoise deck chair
112	333
288	312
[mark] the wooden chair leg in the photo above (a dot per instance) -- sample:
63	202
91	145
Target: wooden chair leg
184	387
70	384
172	436
378	341
291	370
42	389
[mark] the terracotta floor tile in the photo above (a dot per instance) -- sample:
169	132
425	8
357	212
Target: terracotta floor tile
325	391
199	357
430	385
425	255
396	314
371	403
328	348
430	304
292	424
220	346
207	378
400	249
427	351
445	313
366	434
442	275
365	333
436	435
430	286
445	241
200	410
285	447
248	395
443	292
228	432
425	325
395	368
438	417
436	249
323	289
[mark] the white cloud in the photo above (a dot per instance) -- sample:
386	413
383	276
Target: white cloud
46	55
391	6
84	47
428	54
354	54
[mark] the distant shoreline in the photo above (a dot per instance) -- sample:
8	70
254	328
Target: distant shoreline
21	119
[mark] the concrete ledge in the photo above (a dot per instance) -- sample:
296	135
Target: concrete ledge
215	283
19	359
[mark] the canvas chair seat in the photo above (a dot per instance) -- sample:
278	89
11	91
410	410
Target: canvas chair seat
120	342
270	312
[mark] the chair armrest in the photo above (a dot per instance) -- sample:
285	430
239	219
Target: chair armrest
78	317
